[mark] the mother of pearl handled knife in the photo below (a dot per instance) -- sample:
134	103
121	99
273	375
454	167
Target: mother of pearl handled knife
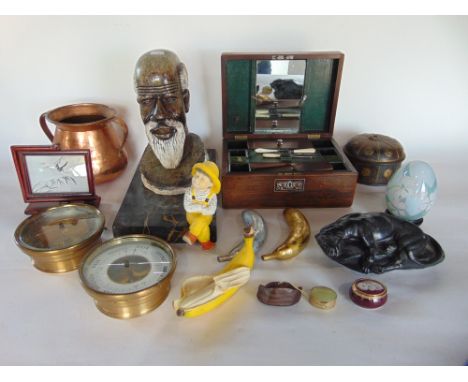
309	150
282	155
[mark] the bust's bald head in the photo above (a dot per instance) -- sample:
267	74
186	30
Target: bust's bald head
161	84
159	68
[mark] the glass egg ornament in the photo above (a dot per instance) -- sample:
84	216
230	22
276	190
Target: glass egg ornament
412	191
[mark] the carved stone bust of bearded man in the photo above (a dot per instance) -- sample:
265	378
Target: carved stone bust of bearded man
161	84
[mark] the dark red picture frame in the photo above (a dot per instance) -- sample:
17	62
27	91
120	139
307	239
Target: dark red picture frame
19	157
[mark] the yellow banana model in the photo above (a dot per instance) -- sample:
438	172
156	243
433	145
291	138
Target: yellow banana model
201	294
298	237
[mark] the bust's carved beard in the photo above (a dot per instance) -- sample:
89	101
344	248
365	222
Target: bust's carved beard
169	151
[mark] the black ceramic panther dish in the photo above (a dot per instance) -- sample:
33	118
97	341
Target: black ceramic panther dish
377	243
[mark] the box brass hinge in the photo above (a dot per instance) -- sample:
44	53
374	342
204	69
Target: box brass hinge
240	137
313	136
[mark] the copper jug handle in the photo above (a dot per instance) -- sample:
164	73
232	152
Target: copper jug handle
124	127
45	128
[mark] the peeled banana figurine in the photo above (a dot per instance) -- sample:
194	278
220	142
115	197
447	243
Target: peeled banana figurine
298	236
201	294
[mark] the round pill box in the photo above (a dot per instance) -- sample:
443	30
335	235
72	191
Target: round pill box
368	293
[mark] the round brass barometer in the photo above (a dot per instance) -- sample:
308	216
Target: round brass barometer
129	276
58	238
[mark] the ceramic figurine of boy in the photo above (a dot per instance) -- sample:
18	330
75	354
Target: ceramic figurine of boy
200	203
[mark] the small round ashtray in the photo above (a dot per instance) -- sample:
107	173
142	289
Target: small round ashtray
368	293
278	294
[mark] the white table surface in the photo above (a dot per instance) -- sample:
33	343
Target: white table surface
49	319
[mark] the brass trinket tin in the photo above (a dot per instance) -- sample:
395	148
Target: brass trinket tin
375	156
323	297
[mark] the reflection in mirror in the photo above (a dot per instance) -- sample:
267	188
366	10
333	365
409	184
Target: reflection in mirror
279	95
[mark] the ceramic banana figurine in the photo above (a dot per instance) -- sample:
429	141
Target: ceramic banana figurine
254	219
201	294
298	237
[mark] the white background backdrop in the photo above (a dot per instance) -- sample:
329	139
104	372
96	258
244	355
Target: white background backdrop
406	77
403	76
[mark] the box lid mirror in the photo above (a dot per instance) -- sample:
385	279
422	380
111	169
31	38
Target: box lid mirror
290	95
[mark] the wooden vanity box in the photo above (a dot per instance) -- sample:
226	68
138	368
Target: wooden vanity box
283	102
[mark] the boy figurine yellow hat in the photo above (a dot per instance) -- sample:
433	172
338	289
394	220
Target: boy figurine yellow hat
200	203
210	169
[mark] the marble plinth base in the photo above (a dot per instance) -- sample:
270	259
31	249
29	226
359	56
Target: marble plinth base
144	212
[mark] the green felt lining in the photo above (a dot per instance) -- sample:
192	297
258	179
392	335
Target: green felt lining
319	85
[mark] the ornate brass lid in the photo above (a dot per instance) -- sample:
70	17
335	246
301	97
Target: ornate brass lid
374	148
322	297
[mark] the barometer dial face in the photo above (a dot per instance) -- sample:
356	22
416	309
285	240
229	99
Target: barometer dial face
127	265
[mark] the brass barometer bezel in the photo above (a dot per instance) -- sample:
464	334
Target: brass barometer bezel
63	259
132	304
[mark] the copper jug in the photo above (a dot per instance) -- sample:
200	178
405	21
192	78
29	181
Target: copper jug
90	126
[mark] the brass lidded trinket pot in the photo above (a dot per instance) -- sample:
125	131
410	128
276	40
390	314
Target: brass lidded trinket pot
58	238
375	156
323	297
129	276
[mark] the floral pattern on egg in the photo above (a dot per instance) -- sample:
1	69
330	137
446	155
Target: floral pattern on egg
411	191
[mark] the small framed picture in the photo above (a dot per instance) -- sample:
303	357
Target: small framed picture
47	174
